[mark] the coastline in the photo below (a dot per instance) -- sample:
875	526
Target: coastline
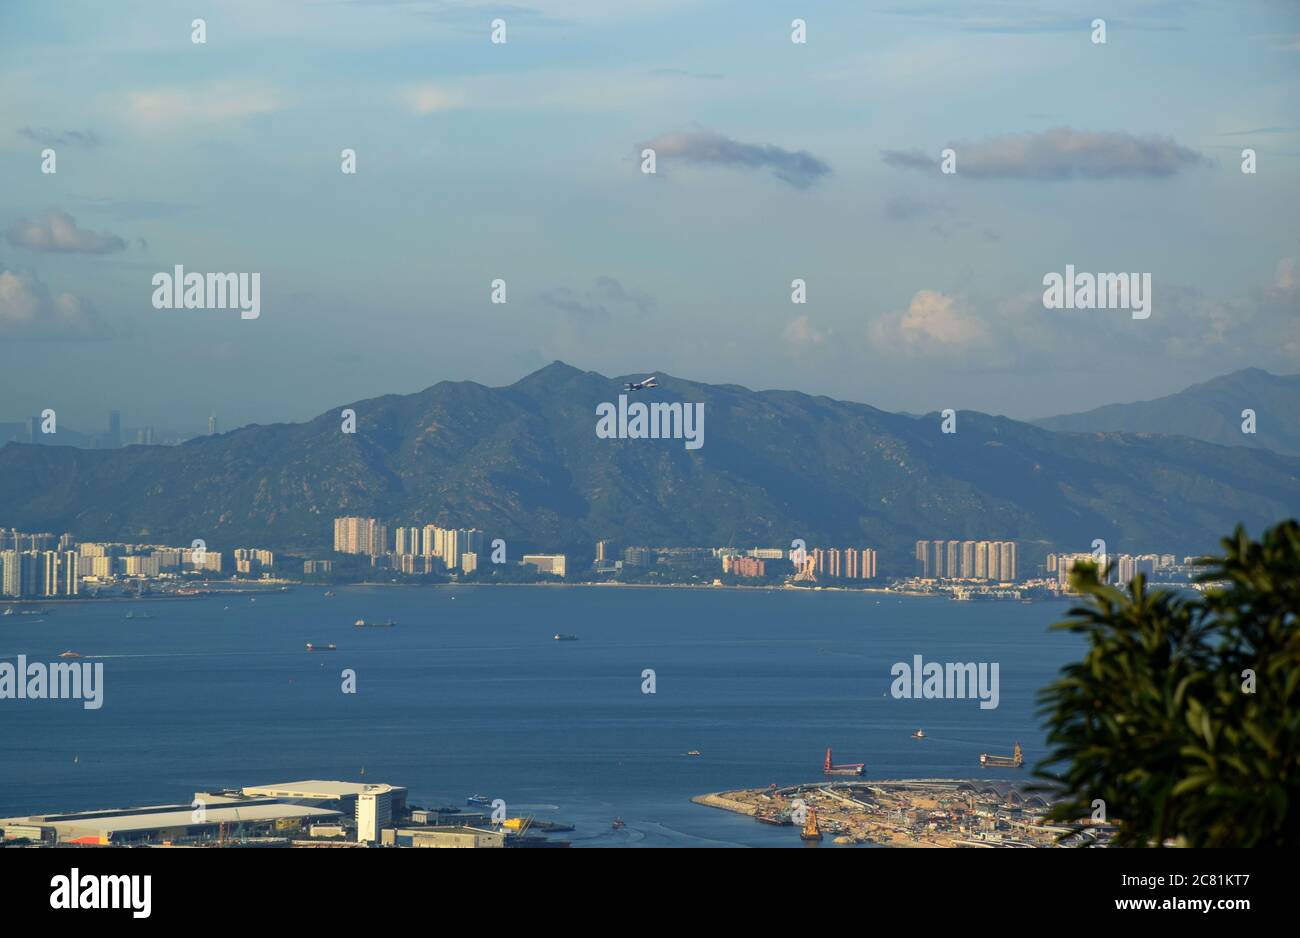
922	812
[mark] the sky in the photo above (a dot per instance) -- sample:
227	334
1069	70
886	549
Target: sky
522	161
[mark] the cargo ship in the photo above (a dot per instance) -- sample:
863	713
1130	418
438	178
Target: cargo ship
847	768
330	647
1013	761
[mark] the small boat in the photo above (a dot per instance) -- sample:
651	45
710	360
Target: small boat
562	637
363	624
693	752
330	647
9	610
132	615
70	654
329	594
919	734
617	824
479	801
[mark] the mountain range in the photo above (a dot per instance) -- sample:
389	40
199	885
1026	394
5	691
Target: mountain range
524	463
1210	411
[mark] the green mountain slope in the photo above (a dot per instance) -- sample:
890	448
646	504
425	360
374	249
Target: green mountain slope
1209	411
524	463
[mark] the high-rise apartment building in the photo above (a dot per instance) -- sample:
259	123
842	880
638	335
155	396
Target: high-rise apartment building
360	536
1007	550
938	571
432	540
11	573
407	541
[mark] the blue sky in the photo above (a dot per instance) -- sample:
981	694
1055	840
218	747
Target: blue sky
520	161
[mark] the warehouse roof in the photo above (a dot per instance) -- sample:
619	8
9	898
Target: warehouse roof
183	816
314	788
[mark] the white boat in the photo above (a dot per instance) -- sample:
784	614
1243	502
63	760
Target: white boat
919	734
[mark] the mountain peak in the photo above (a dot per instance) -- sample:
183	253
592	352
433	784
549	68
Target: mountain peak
556	373
1212	410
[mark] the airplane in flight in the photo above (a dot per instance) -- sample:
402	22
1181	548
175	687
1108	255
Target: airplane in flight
650	382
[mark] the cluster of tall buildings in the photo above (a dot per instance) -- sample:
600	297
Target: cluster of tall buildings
43	565
37	430
819	563
252	561
1124	567
966	560
411	548
39	573
834	563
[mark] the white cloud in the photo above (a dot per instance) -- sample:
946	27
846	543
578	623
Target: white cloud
58	232
29	311
802	332
222	101
932	322
427	99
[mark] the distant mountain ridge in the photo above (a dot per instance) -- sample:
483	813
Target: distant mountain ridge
524	463
1210	411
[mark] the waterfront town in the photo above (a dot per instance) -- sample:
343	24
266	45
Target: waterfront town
318	813
44	566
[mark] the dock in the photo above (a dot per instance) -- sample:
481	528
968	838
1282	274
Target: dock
926	813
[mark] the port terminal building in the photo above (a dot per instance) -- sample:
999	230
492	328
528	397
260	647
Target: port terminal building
166	824
281	811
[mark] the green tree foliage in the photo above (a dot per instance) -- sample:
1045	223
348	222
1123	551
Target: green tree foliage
1161	720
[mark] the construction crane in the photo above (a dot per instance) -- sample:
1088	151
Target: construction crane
847	768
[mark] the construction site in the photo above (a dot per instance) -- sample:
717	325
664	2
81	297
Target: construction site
906	813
